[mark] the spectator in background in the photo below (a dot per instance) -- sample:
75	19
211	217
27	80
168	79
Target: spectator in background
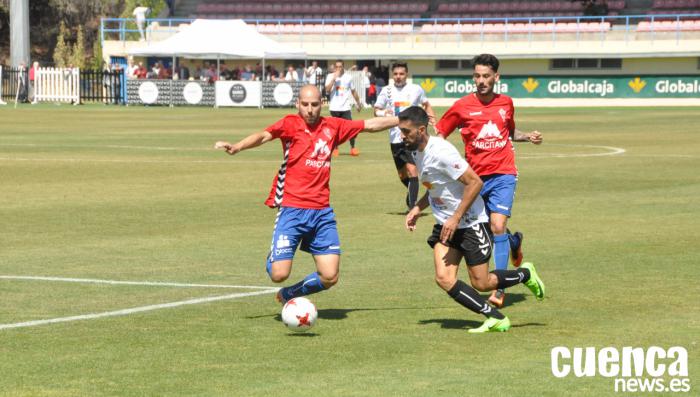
247	74
291	75
184	72
211	75
117	87
156	70
32	72
300	72
372	91
258	71
106	82
313	74
140	16
271	73
142	72
380	83
132	70
22	81
366	83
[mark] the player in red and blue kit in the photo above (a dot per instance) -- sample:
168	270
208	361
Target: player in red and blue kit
487	124
300	190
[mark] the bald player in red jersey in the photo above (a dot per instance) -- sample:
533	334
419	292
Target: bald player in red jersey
300	189
487	125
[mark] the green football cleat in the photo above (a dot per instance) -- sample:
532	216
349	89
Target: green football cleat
492	325
535	283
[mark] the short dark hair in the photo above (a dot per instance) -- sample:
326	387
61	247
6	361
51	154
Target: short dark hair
415	114
399	65
486	60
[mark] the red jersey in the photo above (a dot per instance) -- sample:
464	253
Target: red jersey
302	181
485	132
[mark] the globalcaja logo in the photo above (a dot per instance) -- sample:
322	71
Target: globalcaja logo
634	369
637	84
428	85
530	84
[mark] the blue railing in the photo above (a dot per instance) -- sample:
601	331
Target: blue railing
121	28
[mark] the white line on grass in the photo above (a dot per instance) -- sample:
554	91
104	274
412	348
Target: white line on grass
611	151
119	282
133	310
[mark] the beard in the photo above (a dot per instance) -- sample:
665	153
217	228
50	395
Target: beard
412	146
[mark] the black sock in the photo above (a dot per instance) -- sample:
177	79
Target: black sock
469	298
509	278
404	181
352	142
412	191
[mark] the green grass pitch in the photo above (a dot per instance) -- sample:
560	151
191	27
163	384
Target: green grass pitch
139	194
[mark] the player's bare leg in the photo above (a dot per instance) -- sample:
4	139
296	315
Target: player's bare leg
328	268
279	272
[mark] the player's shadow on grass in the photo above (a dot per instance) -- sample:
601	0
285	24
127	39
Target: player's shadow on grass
451	323
406	212
341	314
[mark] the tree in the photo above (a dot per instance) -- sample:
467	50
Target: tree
62	52
78	54
97	55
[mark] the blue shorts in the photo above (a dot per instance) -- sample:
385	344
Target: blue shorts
315	229
498	193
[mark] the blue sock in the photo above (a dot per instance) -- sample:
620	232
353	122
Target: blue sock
501	251
311	284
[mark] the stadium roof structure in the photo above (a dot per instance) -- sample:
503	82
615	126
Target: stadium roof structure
220	39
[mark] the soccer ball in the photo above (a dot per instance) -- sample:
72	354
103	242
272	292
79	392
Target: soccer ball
299	314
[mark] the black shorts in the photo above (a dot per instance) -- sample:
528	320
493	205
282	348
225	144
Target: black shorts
473	242
347	115
402	156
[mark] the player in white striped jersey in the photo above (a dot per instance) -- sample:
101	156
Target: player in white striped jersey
391	101
462	227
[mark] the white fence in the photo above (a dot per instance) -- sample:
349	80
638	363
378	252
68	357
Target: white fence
57	85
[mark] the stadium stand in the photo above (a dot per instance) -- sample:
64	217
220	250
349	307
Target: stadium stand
369	17
315	9
674	7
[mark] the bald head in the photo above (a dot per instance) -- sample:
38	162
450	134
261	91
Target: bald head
310	92
309	104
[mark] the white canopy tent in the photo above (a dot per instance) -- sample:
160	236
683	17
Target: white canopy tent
220	39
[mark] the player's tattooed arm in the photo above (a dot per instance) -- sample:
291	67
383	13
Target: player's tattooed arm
533	137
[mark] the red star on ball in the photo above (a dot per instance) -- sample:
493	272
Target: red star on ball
304	320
